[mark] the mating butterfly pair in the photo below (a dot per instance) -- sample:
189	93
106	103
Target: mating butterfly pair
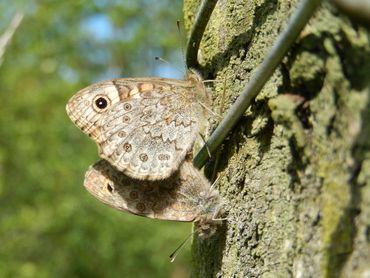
144	128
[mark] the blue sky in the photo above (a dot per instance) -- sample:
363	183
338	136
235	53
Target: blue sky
100	28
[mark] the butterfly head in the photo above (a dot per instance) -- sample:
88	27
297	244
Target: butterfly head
209	216
195	78
88	106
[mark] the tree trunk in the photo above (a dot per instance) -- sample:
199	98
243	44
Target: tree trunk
295	171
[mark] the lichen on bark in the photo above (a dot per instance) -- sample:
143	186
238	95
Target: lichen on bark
295	171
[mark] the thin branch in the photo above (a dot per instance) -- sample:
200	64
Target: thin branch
9	32
298	20
197	31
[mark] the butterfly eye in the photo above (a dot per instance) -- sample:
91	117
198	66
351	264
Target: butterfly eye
109	187
101	103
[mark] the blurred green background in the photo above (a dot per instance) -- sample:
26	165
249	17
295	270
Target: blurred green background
49	225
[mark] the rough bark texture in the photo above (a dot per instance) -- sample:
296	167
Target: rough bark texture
295	172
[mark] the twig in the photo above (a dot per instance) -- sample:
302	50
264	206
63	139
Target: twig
262	73
197	31
9	32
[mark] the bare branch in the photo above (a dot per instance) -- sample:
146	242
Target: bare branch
9	32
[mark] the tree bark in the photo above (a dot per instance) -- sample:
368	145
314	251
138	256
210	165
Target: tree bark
295	171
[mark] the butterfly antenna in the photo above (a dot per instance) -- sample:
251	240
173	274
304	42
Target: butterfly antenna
222	100
181	38
209	81
168	63
214	184
218	209
209	110
216	163
176	252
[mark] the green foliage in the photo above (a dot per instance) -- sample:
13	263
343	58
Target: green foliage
49	225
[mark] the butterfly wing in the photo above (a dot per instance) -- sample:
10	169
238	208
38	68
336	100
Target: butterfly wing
153	199
148	125
147	135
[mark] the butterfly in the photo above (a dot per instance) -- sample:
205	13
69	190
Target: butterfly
143	126
185	196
